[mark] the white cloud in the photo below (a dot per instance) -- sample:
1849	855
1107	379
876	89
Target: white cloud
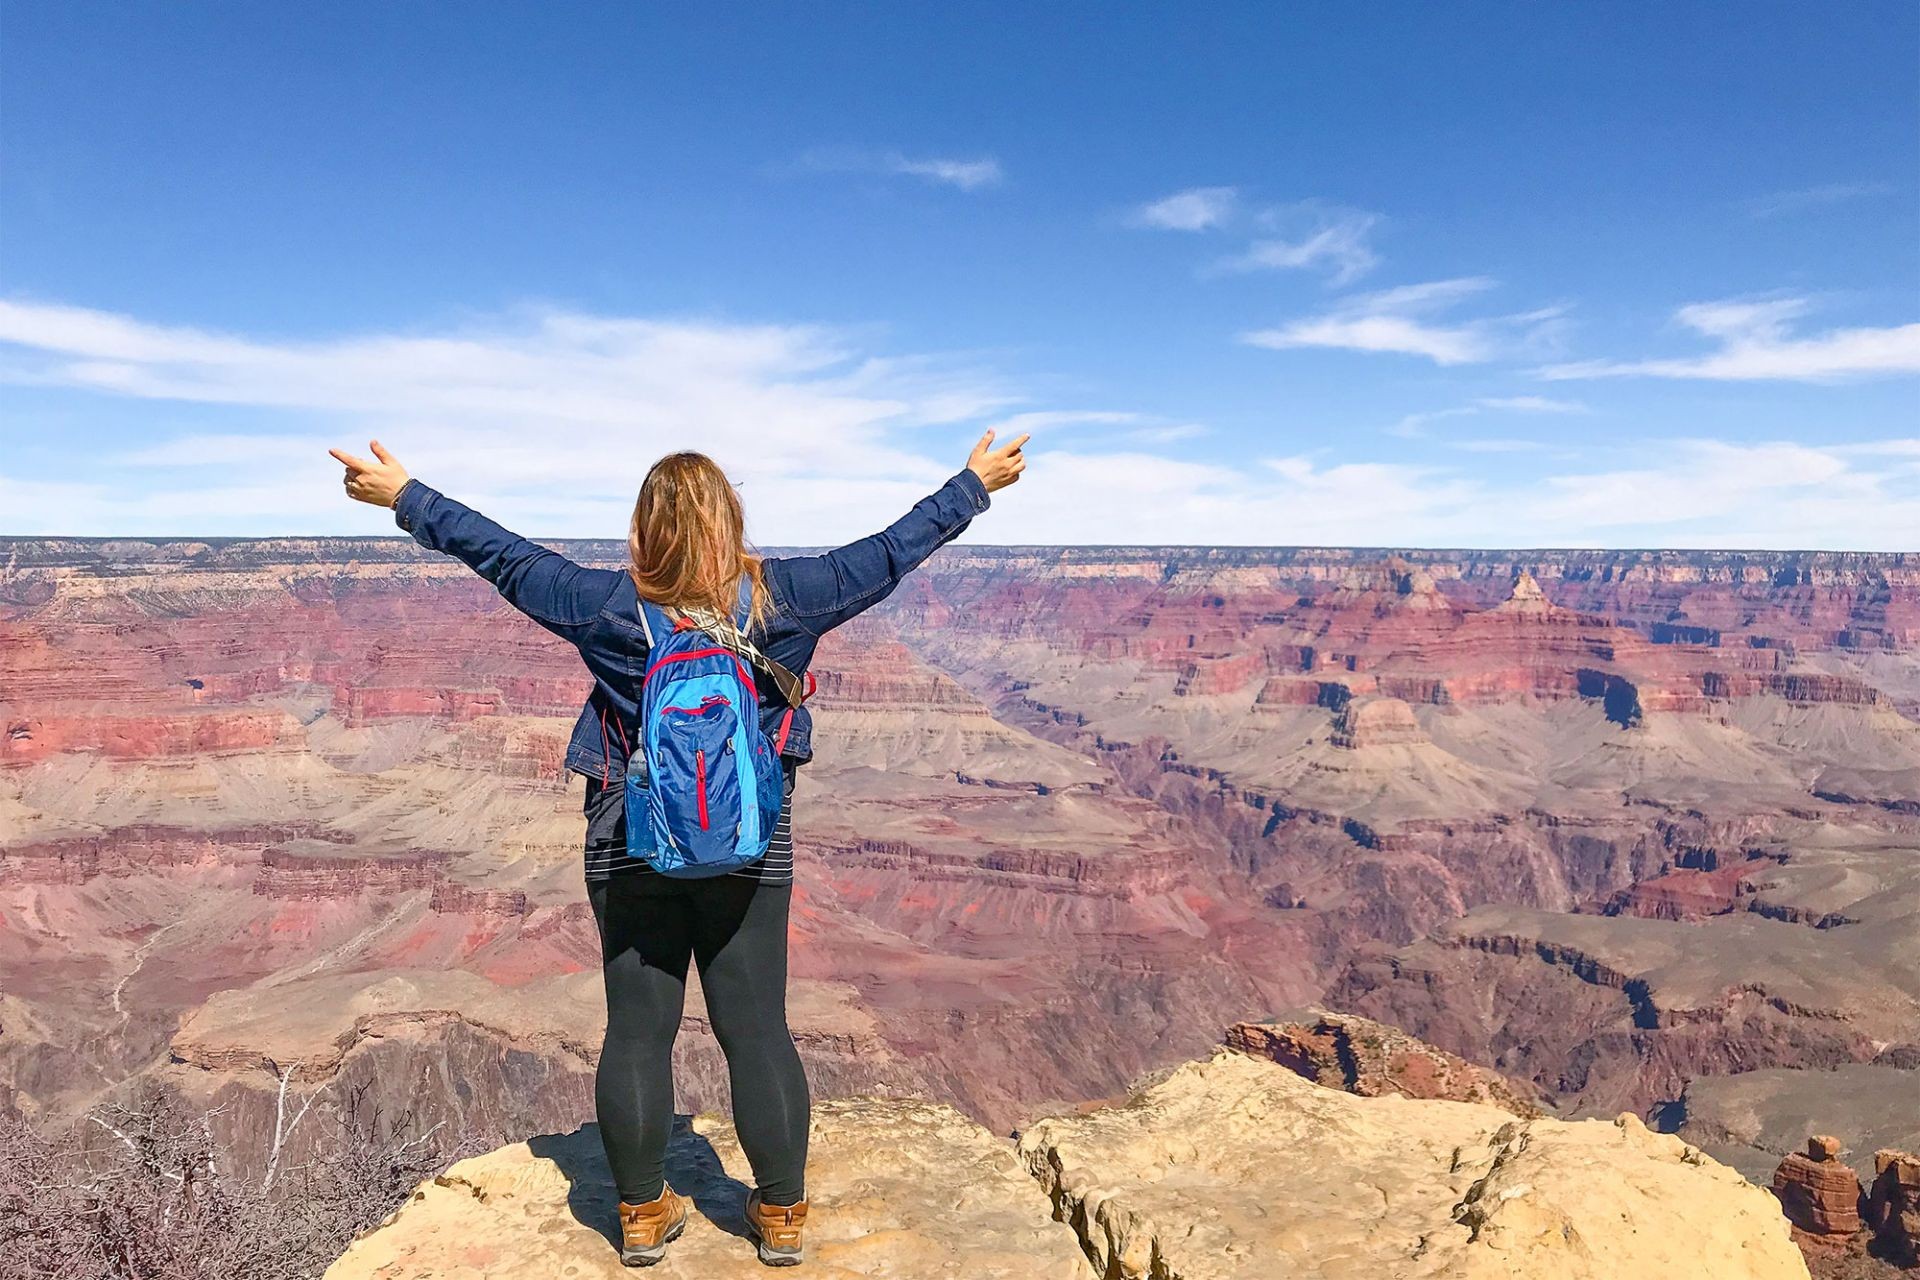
1313	235
1390	321
1139	428
1828	193
1413	426
1532	404
1693	493
1195	209
1496	444
789	410
1778	494
1149	498
1050	419
547	419
1172	433
1378	333
1757	344
967	173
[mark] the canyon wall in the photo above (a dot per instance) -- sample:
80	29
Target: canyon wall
288	816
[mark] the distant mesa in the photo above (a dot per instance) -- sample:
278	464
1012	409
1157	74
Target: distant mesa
1526	597
1375	722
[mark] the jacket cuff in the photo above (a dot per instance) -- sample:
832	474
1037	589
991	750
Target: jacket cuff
411	503
976	491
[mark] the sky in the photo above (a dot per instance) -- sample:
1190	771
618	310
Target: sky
1505	275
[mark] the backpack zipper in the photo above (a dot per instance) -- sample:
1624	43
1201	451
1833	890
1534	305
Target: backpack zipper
700	784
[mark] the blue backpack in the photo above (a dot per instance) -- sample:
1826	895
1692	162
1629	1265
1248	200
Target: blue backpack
709	796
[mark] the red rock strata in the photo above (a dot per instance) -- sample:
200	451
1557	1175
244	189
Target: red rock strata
1893	1206
1073	810
1821	1196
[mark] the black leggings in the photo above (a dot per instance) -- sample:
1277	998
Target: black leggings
735	929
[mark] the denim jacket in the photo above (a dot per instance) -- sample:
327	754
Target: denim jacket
596	610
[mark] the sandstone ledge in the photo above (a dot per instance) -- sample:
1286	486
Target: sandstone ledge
1230	1169
1236	1169
901	1190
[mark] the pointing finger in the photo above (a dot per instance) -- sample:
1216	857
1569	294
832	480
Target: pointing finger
358	464
1015	446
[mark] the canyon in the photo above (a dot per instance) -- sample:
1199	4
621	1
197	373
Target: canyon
1637	831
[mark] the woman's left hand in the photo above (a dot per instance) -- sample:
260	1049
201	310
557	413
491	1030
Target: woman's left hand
378	482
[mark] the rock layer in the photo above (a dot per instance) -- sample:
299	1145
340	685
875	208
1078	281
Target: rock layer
1821	1196
1893	1206
1073	810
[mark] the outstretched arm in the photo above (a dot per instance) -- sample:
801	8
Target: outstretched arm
543	584
832	588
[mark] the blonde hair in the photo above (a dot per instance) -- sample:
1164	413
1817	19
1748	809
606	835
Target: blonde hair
687	546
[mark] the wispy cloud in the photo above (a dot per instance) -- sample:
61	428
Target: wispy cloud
971	173
1306	235
1118	427
1051	419
548	418
1693	493
1313	235
1414	425
1195	209
1396	321
1497	444
1780	203
964	174
786	408
1757	342
1532	404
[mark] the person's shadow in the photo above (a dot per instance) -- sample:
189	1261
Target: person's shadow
693	1169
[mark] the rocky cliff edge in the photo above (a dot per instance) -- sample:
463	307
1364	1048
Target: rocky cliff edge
1229	1169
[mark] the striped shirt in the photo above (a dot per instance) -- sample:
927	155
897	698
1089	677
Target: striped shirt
606	850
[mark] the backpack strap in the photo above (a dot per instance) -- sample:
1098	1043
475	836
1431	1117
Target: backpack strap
793	691
648	616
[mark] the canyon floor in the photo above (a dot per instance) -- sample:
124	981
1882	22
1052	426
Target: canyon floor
281	819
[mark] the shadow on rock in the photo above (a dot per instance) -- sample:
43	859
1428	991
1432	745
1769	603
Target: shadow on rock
693	1169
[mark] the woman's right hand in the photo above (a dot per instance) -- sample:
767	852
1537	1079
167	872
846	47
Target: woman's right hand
997	468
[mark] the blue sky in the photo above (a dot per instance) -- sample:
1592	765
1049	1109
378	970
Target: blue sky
1465	274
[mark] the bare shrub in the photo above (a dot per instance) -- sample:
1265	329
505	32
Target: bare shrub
140	1190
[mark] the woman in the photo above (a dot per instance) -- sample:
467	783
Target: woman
689	558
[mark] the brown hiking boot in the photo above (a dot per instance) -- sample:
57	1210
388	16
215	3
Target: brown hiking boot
647	1229
776	1230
